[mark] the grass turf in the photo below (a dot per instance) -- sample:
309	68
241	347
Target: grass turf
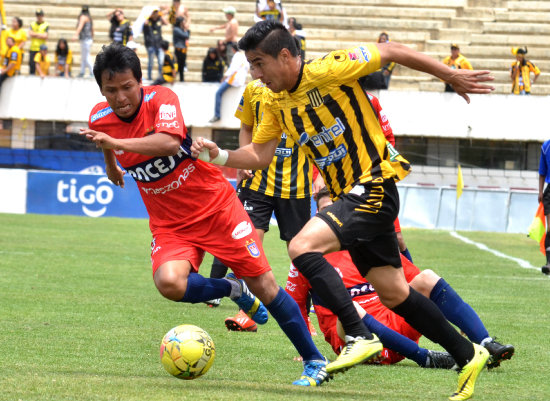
80	319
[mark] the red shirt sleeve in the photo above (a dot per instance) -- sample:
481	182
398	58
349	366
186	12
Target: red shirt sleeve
168	119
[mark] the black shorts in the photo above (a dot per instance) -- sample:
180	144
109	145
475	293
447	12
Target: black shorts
291	214
363	222
546	200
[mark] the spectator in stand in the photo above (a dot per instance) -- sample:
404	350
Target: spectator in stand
177	9
270	11
180	36
520	72
152	33
457	62
42	62
231	31
12	60
169	68
212	66
296	30
38	33
63	59
17	32
121	30
234	76
85	34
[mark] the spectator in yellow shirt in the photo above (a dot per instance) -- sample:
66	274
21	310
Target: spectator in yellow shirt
12	60
18	34
457	62
520	72
42	61
38	34
63	59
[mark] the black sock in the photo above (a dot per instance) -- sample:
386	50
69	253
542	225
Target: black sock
427	319
219	270
328	286
547	248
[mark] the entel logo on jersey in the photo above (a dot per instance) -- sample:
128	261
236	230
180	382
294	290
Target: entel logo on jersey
243	229
87	195
325	136
167	112
101	113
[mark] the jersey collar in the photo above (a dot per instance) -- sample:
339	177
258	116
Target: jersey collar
299	78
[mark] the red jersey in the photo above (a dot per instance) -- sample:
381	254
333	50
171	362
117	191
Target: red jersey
382	118
177	190
360	290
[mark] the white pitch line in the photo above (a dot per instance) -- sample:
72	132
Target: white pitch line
523	263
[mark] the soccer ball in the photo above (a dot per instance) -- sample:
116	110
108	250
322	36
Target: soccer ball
187	352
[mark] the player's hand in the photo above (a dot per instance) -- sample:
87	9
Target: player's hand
101	139
204	149
540	197
317	185
116	175
244	174
470	81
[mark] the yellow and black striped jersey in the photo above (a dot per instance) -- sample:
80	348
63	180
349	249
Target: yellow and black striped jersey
290	173
331	117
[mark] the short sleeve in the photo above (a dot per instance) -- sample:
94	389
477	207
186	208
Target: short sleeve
354	63
244	110
169	119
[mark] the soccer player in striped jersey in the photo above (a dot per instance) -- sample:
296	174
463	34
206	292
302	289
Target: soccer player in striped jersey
283	188
321	105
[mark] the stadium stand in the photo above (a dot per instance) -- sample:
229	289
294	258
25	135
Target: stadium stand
485	29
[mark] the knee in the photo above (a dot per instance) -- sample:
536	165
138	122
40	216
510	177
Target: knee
425	282
391	299
296	247
170	284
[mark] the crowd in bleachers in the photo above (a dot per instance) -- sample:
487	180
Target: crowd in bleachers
22	42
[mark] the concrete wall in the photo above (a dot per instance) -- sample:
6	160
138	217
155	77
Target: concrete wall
431	114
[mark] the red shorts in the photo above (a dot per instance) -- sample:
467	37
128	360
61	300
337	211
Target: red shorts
228	234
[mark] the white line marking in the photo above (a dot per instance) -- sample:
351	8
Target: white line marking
523	263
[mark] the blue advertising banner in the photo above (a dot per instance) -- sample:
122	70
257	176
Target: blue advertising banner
82	195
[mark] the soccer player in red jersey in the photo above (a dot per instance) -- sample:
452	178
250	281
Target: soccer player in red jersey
398	337
192	208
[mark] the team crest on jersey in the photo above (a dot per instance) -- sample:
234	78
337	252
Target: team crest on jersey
315	97
167	112
253	249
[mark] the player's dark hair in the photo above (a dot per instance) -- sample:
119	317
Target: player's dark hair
116	58
59	51
19	21
269	37
321	194
164	45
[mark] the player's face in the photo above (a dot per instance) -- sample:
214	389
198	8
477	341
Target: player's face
122	91
273	72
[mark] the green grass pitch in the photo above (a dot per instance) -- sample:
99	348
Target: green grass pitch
80	319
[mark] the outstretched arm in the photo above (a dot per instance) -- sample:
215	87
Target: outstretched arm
463	81
158	144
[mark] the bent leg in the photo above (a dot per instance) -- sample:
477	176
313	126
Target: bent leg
176	281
